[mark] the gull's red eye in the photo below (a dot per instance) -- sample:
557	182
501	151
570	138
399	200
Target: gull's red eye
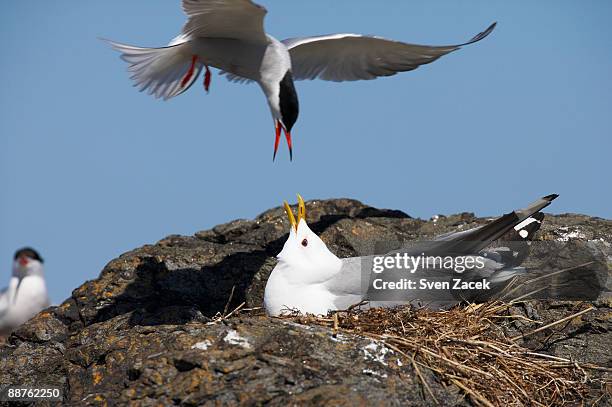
304	242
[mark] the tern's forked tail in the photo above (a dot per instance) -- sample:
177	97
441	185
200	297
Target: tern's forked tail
162	72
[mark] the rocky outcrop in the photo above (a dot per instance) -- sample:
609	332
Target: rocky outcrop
142	332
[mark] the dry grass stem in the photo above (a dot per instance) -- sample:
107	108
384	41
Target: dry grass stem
464	346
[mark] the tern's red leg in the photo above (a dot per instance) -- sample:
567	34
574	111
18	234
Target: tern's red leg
288	137
189	73
277	139
207	77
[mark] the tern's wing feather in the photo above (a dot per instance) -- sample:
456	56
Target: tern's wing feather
238	19
161	72
235	78
351	57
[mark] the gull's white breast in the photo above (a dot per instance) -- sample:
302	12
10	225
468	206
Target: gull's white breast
282	296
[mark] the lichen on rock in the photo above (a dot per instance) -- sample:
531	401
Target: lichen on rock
143	331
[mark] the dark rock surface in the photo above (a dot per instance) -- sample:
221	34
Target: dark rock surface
141	333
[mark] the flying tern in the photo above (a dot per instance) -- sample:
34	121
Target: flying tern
229	35
311	279
26	294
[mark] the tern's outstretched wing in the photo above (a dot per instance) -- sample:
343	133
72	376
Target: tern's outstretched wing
237	19
351	57
169	71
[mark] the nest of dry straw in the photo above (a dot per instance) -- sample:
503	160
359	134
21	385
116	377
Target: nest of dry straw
464	346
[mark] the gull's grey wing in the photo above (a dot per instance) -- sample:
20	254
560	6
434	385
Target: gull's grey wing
351	57
350	288
476	239
515	227
354	281
237	19
514	246
346	284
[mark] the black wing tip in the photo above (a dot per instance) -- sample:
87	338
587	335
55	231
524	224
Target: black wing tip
489	29
551	197
482	35
528	231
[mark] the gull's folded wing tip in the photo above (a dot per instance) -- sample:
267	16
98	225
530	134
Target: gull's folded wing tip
551	197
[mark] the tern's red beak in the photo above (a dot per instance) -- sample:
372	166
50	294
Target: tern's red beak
277	138
23	261
288	137
280	127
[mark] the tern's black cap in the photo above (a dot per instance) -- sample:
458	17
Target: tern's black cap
28	252
289	105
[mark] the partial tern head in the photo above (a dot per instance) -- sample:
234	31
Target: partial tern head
26	262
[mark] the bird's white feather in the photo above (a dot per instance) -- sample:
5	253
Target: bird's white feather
160	71
237	19
4	301
25	296
235	78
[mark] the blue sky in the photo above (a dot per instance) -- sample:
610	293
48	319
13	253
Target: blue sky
90	168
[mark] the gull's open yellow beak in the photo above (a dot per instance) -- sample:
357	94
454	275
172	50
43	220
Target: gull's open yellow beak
290	215
301	209
301	212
